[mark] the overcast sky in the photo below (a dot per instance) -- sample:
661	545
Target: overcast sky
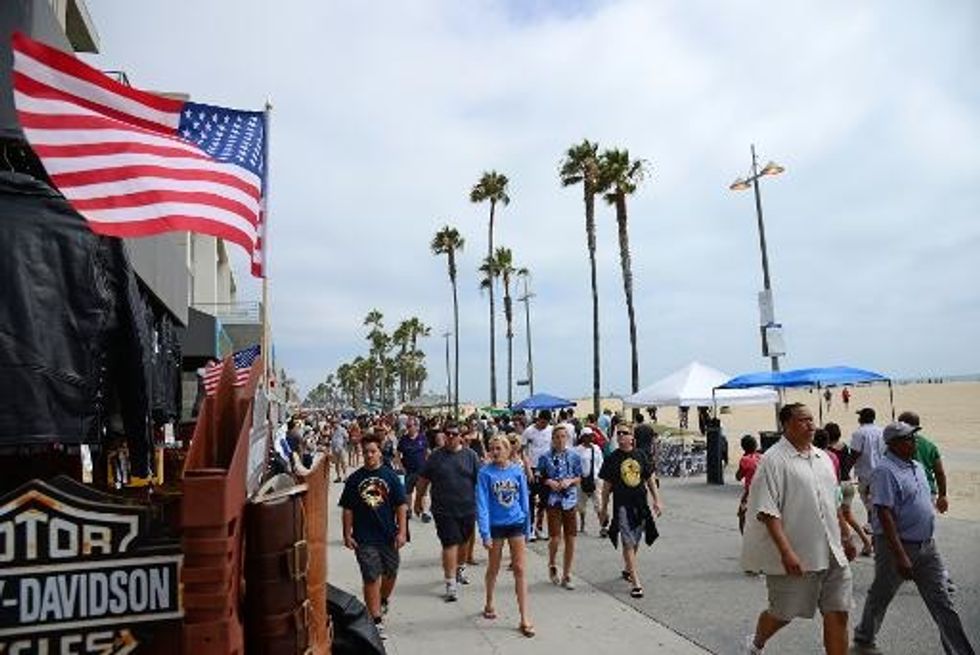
387	113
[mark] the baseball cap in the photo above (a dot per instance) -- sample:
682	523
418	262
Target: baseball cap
586	430
866	414
898	430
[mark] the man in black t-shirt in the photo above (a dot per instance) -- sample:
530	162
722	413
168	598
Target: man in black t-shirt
375	525
627	475
452	471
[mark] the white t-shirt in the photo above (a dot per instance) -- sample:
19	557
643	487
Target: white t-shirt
585	454
867	439
537	443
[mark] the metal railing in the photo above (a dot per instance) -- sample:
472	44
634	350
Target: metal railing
233	313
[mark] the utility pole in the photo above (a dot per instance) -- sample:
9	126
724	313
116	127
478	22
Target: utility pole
526	299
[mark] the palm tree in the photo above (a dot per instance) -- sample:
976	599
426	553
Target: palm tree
502	266
619	177
446	242
581	166
493	187
400	339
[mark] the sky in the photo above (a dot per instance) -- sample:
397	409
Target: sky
386	113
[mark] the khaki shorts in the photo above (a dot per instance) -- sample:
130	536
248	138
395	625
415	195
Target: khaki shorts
829	590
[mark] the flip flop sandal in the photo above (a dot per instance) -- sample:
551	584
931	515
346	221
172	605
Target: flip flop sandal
626	575
489	613
636	592
526	629
553	574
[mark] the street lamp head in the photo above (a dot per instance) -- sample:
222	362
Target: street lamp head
740	184
772	168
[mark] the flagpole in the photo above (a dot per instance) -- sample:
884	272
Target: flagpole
266	350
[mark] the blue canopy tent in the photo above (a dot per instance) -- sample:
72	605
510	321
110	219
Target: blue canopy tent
830	376
543	401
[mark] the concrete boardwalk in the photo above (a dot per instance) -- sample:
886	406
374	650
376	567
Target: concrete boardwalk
585	620
697	599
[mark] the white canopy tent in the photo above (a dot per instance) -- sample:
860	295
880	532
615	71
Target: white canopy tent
692	385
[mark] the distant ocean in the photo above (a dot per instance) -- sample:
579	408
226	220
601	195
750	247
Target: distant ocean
938	379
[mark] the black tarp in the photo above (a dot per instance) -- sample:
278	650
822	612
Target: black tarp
353	628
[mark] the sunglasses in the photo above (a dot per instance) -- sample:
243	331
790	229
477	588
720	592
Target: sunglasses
624	434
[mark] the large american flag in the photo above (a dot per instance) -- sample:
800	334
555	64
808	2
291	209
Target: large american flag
243	360
135	163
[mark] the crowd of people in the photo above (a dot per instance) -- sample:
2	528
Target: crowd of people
497	482
516	479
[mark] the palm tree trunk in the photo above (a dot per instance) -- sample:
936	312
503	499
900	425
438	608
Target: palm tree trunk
456	351
493	347
624	258
590	236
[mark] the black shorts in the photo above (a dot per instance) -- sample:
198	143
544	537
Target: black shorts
410	480
452	530
506	531
377	560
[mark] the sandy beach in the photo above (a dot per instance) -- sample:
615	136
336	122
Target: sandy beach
948	412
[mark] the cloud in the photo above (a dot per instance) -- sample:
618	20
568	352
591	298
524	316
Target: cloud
384	119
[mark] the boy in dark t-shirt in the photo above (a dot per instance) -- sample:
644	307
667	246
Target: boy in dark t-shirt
375	525
627	475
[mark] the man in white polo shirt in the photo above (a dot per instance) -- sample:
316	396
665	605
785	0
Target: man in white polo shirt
799	539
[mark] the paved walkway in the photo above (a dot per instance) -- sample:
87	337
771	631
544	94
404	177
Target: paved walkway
697	600
585	620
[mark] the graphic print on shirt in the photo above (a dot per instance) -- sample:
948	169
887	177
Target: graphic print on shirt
373	491
505	491
629	471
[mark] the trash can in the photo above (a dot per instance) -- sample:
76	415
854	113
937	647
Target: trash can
768	438
713	465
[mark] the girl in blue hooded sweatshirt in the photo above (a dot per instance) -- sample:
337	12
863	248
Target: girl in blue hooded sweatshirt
502	515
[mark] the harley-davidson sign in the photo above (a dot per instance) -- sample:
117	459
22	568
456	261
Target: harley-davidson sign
75	565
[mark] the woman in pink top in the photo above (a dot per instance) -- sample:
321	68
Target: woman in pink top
821	439
746	470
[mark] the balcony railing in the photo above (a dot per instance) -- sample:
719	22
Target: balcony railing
233	313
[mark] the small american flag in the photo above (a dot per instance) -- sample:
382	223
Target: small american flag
137	164
243	360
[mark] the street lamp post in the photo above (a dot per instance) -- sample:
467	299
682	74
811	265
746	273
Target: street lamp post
766	302
526	299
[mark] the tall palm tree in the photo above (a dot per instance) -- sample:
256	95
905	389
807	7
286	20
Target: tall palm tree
619	177
493	187
446	242
502	266
581	166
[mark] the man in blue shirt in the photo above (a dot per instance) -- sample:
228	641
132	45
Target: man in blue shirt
410	456
903	523
561	469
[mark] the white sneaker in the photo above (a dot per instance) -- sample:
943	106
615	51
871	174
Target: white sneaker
452	592
749	647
